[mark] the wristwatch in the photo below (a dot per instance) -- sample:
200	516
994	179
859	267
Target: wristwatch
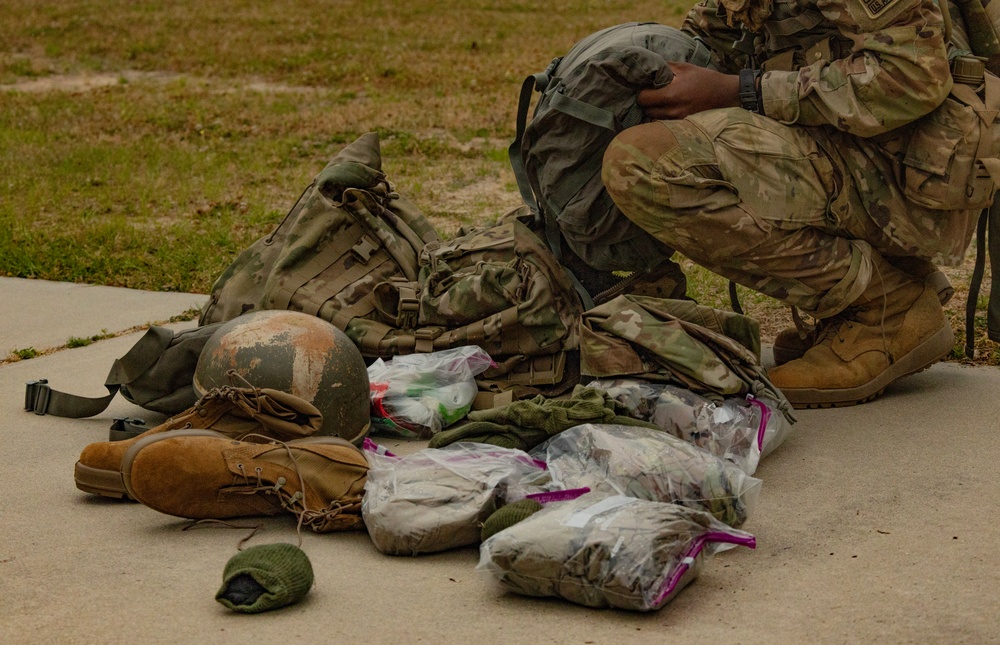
750	90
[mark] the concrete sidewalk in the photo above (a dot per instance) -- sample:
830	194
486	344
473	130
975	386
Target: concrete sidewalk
875	524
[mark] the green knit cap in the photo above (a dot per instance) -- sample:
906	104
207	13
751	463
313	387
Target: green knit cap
508	516
265	577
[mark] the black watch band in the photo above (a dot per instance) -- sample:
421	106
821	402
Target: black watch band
749	90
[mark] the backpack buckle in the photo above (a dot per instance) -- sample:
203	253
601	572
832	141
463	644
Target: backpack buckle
36	396
123	428
365	248
408	312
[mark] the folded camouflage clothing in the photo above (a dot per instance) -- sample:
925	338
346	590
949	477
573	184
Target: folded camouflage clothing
525	424
741	430
606	551
713	353
649	464
437	499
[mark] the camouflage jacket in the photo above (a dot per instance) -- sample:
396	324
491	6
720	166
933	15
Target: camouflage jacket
873	82
862	66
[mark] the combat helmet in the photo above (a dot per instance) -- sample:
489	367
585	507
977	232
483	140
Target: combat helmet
296	353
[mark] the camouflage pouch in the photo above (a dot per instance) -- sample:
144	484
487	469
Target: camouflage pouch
711	352
497	287
347	232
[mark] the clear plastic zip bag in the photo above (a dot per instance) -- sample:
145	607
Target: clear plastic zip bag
606	551
437	498
742	430
418	395
649	464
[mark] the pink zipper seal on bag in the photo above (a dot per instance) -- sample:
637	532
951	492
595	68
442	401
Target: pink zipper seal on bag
765	416
687	560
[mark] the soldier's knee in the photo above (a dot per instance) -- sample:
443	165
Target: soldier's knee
631	156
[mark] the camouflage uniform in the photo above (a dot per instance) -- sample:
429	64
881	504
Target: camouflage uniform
797	203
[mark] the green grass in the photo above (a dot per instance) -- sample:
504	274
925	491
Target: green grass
210	118
214	117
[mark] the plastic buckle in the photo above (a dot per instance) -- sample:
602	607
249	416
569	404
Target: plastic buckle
36	395
424	338
123	428
408	312
429	333
365	248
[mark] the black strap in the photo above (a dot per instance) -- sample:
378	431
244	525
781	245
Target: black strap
42	399
734	298
976	283
536	81
993	313
987	240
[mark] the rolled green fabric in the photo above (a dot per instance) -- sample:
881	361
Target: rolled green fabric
525	424
265	577
509	515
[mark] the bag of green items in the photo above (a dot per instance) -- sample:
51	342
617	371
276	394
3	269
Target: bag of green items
711	352
420	394
434	500
741	430
606	551
649	464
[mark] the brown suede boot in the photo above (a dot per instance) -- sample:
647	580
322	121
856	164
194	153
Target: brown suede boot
792	342
896	328
232	411
320	480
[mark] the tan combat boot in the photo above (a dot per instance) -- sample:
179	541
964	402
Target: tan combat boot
320	480
896	328
791	343
232	411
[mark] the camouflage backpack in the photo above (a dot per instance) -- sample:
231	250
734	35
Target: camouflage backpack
498	287
354	252
588	96
347	232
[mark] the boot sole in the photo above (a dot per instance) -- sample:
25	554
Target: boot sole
916	360
96	481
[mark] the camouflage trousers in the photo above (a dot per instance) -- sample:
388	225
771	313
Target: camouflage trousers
772	206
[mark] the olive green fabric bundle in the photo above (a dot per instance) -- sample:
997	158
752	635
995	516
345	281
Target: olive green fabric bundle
265	577
525	424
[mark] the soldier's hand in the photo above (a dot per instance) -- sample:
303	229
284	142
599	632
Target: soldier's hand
693	89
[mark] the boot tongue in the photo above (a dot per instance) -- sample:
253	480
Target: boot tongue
329	476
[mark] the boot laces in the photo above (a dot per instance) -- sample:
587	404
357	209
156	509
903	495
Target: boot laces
294	502
835	326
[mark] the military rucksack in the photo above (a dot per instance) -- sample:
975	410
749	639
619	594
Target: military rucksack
498	287
348	231
982	22
588	96
354	252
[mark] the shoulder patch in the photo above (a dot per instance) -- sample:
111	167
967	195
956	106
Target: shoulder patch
872	15
875	8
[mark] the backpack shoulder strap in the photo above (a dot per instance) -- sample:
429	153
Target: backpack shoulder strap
40	398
